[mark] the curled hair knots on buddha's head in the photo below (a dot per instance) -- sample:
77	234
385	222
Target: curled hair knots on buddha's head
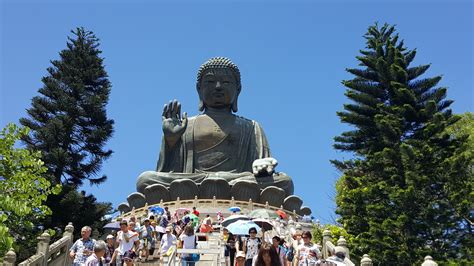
219	63
216	63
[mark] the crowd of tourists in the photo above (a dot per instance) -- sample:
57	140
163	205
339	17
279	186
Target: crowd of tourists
137	239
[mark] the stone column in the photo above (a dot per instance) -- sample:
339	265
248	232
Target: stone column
68	232
43	246
10	258
366	261
343	243
429	261
326	237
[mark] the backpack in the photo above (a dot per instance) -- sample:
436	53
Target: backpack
290	254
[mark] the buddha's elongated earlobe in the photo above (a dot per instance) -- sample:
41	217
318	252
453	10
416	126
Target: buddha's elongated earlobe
234	105
201	105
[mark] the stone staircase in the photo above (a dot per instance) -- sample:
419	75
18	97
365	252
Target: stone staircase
211	252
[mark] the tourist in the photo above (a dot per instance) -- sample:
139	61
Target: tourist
97	258
195	212
225	238
110	254
293	247
188	240
82	248
220	217
267	256
132	227
251	246
307	253
146	239
133	219
206	226
230	248
240	258
167	214
280	250
128	243
167	241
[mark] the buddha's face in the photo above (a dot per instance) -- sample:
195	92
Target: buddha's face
218	88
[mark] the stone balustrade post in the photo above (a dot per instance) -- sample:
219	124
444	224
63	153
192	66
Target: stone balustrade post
366	261
195	201
232	201
250	204
266	205
43	247
10	258
429	261
68	232
343	243
326	237
177	202
214	202
161	202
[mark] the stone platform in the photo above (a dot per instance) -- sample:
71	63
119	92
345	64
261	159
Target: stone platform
208	206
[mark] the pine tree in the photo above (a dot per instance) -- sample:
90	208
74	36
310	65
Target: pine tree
395	194
69	125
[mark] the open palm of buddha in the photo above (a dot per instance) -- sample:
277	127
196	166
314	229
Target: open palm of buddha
215	144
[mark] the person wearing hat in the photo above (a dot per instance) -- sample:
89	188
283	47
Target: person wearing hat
146	239
167	240
240	258
110	251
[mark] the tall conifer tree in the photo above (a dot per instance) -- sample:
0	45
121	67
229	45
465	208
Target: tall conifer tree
69	125
395	195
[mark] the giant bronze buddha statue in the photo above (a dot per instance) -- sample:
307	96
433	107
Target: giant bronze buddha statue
215	153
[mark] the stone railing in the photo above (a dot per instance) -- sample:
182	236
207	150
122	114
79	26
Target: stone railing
246	206
55	254
329	248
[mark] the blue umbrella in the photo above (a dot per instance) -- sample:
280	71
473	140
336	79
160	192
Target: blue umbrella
113	225
156	210
242	227
234	209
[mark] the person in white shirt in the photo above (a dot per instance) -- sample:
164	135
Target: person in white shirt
128	243
187	240
96	259
167	241
307	253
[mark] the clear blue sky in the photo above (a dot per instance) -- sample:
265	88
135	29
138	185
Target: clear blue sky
292	56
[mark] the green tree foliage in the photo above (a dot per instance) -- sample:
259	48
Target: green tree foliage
405	194
23	187
336	233
69	125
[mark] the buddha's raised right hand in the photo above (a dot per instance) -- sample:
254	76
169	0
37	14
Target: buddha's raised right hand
173	124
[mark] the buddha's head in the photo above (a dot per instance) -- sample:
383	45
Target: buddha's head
218	84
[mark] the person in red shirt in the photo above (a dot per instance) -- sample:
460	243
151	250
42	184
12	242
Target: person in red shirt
195	212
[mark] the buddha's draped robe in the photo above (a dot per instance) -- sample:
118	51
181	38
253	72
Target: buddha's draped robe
236	143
